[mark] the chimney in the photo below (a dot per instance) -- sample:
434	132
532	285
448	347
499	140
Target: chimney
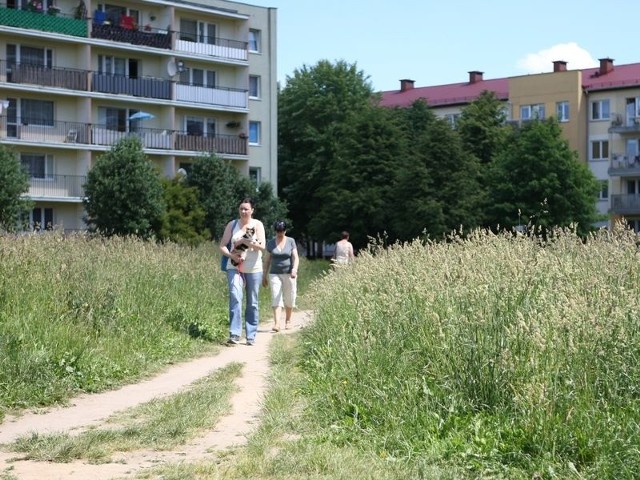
559	66
475	76
606	66
406	85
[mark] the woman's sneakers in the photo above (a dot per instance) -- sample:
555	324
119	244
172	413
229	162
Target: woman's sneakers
233	340
251	342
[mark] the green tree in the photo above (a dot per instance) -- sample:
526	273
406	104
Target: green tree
538	180
184	220
438	181
357	192
314	109
221	188
123	192
481	126
15	182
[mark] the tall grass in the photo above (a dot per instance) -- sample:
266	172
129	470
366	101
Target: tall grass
79	313
491	352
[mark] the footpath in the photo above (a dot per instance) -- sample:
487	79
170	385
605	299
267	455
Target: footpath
88	411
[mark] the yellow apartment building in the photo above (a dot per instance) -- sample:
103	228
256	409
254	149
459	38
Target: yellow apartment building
186	78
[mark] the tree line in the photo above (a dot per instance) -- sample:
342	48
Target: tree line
346	163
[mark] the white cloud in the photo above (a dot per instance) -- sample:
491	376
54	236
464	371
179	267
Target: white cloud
542	61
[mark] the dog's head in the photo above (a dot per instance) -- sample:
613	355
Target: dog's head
249	232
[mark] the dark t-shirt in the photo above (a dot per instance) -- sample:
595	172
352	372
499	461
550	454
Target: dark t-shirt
281	260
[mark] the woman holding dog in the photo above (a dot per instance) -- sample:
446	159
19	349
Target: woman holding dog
282	264
246	277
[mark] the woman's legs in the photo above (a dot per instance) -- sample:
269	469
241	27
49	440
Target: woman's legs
289	294
234	280
252	318
275	281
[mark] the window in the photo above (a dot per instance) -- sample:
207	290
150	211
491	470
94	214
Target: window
42	219
452	118
109	65
198	77
254	86
34	56
604	190
254	40
114	118
201	127
562	111
255	174
531	112
600	150
36	112
197	32
254	132
38	165
600	110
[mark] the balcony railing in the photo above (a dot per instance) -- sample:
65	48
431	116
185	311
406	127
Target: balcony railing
58	23
213	47
624	165
222	96
46	76
151	37
138	87
146	87
57	186
622	126
75	133
625	204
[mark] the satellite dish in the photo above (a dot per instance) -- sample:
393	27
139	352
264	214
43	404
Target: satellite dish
172	69
180	66
182	172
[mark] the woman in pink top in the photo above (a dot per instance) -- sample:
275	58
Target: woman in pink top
344	251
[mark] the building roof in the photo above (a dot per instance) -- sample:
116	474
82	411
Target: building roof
605	77
622	76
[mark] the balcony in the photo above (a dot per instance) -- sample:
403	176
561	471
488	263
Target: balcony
32	74
227	144
77	134
624	166
623	126
222	48
138	87
219	96
59	23
625	204
57	187
151	37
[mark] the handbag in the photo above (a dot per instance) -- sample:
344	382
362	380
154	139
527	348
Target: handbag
223	258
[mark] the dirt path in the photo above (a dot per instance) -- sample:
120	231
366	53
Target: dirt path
91	410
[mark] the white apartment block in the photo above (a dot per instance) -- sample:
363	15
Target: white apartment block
186	77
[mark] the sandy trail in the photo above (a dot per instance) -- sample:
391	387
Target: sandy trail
91	410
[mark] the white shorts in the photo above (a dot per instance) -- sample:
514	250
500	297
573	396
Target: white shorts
283	290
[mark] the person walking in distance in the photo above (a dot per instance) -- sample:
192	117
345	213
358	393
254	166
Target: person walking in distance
343	254
281	262
244	271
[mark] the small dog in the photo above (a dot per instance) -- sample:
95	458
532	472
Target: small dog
249	234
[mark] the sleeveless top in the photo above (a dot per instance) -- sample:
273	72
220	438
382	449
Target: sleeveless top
342	252
253	259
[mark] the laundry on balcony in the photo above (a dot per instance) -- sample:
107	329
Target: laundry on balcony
99	17
127	22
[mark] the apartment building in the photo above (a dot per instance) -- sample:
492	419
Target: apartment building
186	78
598	110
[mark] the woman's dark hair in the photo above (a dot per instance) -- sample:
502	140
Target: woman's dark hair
344	234
280	226
248	200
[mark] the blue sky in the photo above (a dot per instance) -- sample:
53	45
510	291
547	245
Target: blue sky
437	43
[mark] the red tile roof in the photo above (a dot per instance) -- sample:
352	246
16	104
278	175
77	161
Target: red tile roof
622	76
